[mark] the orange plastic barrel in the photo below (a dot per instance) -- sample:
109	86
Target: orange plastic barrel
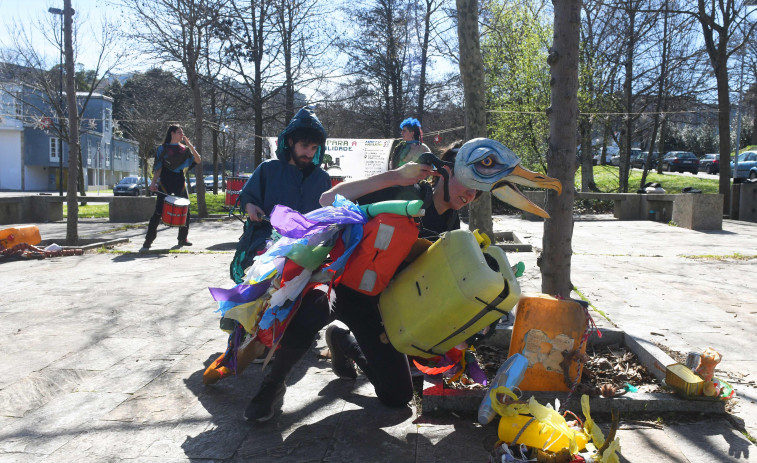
545	327
28	234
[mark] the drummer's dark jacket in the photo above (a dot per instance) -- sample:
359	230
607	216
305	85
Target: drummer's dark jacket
173	159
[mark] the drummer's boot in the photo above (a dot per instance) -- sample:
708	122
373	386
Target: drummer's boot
270	396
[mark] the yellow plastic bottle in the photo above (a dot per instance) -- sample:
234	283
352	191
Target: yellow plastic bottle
449	293
28	234
537	434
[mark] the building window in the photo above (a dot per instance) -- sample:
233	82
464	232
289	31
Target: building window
107	120
19	103
55	149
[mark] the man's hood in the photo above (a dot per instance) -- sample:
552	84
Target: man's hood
305	118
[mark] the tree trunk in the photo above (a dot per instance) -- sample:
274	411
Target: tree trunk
563	117
424	61
194	84
660	96
587	170
724	130
625	153
214	139
472	73
72	231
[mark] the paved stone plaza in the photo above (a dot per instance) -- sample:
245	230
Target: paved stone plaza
104	352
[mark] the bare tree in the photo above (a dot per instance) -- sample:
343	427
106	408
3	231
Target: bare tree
23	62
563	116
249	31
305	48
378	52
598	70
145	105
472	73
428	26
721	22
174	31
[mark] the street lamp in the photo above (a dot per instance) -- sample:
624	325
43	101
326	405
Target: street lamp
59	12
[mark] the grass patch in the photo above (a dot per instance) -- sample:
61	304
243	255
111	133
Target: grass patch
734	256
608	180
214	203
90	211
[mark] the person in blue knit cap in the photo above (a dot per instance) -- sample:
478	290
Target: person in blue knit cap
411	146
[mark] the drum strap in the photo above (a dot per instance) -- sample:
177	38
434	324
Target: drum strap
488	307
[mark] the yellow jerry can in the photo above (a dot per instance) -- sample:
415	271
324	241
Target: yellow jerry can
449	293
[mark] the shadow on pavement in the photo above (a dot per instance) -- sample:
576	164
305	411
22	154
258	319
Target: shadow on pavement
230	246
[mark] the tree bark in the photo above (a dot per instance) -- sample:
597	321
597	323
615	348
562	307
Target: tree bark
472	74
563	116
72	231
717	51
625	153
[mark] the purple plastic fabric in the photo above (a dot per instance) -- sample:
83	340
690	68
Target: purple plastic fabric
240	293
292	224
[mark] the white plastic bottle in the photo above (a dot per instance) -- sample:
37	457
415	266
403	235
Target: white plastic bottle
510	374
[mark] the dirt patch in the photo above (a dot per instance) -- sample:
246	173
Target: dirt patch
608	371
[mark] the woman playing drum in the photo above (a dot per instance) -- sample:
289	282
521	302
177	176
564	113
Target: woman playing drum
171	160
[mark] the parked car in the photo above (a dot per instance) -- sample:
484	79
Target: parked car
598	156
130	186
641	159
209	182
615	160
747	165
681	161
710	163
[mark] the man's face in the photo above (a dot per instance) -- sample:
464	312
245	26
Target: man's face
408	134
459	194
302	153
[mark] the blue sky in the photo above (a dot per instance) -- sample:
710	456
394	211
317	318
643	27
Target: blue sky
28	13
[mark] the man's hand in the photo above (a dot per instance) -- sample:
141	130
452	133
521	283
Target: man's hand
412	173
255	213
154	187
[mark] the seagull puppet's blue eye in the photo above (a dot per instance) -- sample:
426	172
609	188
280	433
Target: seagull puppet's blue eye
488	166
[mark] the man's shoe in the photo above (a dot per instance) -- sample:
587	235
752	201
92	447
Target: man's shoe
145	247
266	402
341	364
184	243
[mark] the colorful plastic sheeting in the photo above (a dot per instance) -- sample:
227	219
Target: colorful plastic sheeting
239	294
292	224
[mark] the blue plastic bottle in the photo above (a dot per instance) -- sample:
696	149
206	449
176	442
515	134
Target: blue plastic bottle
510	374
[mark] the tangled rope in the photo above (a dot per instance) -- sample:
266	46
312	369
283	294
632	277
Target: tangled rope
27	251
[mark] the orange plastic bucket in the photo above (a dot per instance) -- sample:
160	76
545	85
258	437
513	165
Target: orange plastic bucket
544	328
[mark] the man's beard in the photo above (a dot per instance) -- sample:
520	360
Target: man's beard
301	162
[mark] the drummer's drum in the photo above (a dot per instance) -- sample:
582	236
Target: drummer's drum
175	210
